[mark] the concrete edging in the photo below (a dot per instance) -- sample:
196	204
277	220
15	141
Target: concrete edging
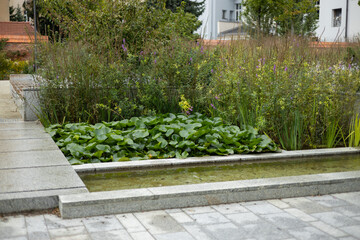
146	199
146	164
157	198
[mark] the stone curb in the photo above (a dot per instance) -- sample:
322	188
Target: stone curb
146	164
147	199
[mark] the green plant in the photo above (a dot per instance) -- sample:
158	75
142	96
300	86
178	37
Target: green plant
354	131
162	136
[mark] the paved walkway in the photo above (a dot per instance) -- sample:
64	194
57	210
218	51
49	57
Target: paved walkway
33	171
326	217
8	110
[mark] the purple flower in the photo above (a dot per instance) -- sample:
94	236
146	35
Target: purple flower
202	49
274	67
285	68
123	47
330	68
155	61
57	77
124	40
212	70
217	97
212	105
256	75
191	59
349	66
187	113
154	53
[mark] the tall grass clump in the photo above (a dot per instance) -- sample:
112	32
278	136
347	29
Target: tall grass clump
299	95
120	59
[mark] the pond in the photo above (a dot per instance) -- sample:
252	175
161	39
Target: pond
218	173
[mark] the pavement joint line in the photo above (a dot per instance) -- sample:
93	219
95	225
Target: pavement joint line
48	189
40	166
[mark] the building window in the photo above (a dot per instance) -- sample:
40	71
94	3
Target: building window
336	17
231	15
237	11
223	14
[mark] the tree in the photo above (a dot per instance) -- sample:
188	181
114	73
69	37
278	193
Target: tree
281	16
45	24
193	7
259	15
16	15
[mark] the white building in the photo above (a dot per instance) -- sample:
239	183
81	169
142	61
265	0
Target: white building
339	20
219	18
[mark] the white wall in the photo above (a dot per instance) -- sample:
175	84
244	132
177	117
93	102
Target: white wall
354	19
213	14
326	31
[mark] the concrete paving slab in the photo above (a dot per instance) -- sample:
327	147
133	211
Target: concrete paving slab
284	220
336	219
37	179
23	134
172	236
13	227
141	236
21	125
102	223
265	231
36	228
226	231
159	222
309	233
111	235
48	158
130	222
24	145
209	218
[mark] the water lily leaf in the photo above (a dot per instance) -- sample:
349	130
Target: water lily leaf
184	133
116	137
98	154
140	133
104	148
169	132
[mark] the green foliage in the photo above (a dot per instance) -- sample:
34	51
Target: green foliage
354	135
132	86
105	24
194	7
287	89
282	17
16	14
163	136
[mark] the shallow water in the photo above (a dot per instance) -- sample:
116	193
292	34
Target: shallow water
219	173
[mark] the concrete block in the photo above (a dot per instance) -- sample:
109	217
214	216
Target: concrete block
21	125
22	145
35	200
35	159
23	134
42	178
